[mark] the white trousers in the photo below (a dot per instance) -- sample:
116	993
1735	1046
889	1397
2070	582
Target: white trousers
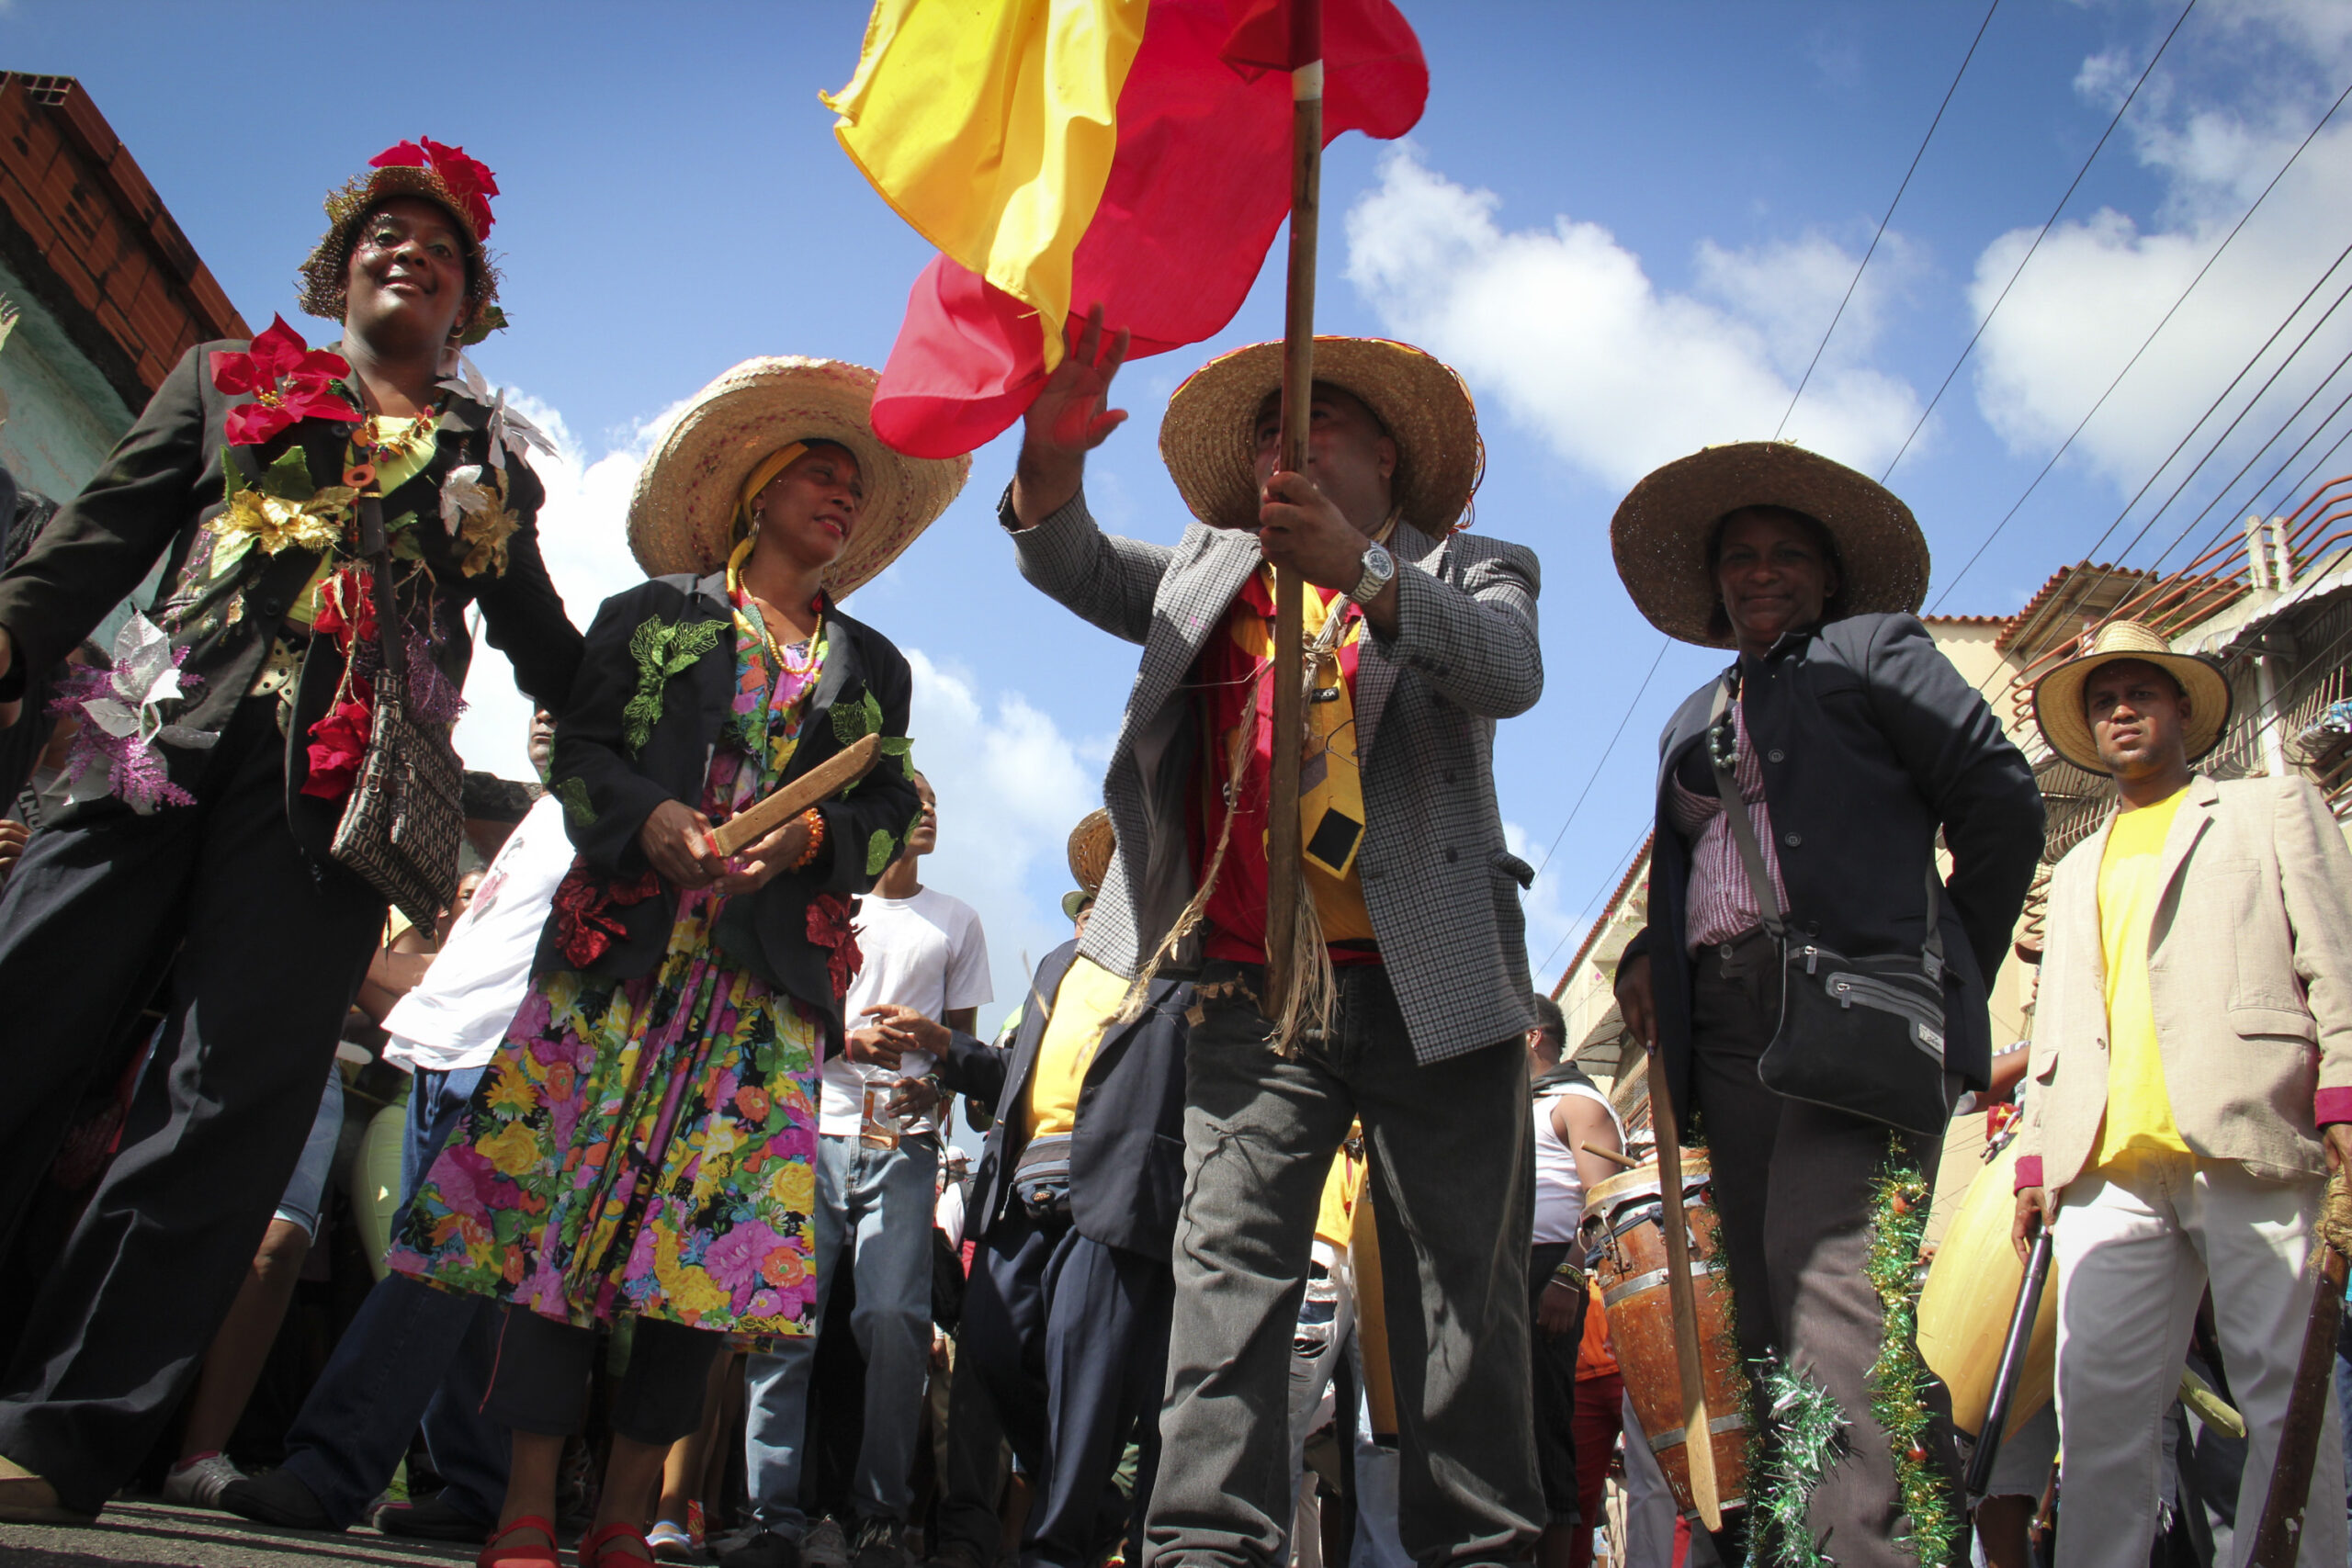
2133	1256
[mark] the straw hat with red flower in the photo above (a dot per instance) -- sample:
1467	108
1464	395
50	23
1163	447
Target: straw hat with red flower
439	173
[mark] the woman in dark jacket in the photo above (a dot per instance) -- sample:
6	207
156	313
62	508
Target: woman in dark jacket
644	1143
1852	741
211	767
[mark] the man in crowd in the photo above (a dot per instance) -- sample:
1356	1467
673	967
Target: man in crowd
415	1354
924	952
1074	1210
1425	637
2192	1068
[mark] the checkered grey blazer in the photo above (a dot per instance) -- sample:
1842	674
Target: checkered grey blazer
1442	890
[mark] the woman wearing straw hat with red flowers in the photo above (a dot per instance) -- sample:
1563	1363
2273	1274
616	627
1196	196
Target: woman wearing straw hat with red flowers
644	1146
324	520
1815	986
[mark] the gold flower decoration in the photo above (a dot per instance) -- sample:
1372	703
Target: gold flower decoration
473	507
274	524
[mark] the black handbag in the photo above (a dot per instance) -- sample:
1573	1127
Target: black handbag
1864	1035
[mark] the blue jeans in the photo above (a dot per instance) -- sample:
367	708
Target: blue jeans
879	1202
414	1355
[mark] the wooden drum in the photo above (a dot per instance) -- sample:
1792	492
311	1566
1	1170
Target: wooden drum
1971	1293
1622	1220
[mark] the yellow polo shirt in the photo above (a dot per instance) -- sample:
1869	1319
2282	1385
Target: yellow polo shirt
1083	1007
2138	1109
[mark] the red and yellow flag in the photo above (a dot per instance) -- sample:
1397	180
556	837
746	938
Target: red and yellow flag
1064	154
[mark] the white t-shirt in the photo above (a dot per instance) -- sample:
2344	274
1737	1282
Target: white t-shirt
1559	1186
459	1013
926	952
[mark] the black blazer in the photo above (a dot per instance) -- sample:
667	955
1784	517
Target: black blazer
1871	741
1126	1156
608	789
164	481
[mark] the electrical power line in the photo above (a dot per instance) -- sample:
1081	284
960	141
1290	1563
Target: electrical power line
1840	315
1616	873
2046	225
2150	340
1664	643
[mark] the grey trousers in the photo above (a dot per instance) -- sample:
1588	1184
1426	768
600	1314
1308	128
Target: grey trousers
1793	1197
1452	1193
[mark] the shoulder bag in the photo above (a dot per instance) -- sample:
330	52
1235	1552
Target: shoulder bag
1861	1035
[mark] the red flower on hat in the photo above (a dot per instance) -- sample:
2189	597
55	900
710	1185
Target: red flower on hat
468	180
290	381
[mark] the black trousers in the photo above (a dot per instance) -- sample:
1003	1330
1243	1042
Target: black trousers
541	1382
1072	1338
1793	1204
270	951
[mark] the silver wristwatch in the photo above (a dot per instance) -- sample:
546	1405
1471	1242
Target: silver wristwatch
1379	568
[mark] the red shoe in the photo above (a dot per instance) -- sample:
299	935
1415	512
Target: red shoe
591	1550
526	1555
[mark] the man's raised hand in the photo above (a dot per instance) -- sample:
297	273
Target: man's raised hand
1070	417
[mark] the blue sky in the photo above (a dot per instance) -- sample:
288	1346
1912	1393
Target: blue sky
1627	225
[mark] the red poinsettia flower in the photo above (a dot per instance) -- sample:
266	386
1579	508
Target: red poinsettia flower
346	608
584	925
338	746
830	929
290	381
468	179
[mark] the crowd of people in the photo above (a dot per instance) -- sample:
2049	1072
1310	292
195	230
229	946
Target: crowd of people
1310	1260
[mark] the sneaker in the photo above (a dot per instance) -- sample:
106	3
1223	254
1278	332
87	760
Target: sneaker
275	1497
198	1482
762	1548
825	1546
877	1545
432	1518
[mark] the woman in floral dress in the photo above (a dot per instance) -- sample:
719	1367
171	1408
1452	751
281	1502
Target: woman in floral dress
644	1146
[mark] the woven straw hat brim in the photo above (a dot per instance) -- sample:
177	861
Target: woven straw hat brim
400	179
2058	695
1662	528
681	515
1209	438
1091	843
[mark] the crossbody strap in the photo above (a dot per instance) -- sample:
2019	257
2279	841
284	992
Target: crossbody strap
378	548
1751	854
1743	831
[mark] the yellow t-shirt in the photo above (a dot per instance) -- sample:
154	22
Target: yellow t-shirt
1342	1190
1083	1007
2139	1107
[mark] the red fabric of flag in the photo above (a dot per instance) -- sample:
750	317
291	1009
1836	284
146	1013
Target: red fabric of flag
1198	187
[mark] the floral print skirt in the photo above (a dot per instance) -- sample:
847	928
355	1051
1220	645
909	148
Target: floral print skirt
640	1147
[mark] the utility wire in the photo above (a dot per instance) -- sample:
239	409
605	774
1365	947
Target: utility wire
2143	349
1616	872
1840	312
2047	223
1664	643
2284	426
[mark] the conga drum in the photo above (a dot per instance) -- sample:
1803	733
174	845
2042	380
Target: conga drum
1971	1293
1622	1220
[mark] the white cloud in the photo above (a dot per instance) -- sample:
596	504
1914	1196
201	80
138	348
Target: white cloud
1566	330
2239	89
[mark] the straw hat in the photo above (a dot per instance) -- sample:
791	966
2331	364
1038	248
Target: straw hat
1209	442
2058	695
1665	523
682	515
1091	843
445	175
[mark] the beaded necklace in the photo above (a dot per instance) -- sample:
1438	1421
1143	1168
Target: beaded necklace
781	664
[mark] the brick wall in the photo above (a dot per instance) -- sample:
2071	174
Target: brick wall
96	241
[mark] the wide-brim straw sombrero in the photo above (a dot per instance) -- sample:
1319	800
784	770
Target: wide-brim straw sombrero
681	515
1665	523
2058	695
1209	438
1090	845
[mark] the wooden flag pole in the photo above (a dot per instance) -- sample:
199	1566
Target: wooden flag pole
1283	871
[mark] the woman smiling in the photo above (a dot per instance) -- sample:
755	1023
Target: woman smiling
644	1146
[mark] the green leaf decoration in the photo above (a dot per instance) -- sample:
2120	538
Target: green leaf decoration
288	479
573	793
880	851
898	746
852	722
406	546
662	651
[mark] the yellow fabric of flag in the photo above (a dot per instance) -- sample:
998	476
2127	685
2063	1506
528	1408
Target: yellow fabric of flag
989	126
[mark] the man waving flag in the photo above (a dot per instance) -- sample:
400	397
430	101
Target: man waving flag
1064	154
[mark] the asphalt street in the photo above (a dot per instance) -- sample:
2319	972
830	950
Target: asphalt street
142	1533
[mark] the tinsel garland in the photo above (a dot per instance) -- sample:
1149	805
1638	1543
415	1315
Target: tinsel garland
1898	1379
1806	1422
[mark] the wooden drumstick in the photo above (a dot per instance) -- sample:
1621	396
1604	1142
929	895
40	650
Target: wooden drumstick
1698	1434
1623	1162
819	782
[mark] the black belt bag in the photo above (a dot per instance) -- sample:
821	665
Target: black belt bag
1861	1035
1041	1176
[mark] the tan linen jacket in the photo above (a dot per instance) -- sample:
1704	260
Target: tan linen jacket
2250	973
